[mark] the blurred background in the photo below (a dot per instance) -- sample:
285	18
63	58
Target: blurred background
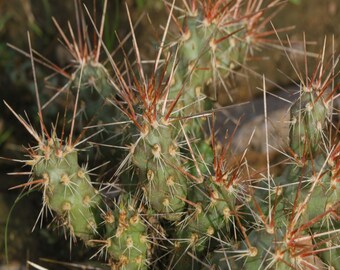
317	19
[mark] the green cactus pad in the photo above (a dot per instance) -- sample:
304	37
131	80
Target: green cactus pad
67	189
127	240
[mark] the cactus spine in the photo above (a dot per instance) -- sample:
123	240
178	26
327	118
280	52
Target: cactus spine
67	188
181	199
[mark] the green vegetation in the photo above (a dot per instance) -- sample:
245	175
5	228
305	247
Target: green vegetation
182	199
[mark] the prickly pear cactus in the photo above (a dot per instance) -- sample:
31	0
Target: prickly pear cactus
67	188
126	232
183	199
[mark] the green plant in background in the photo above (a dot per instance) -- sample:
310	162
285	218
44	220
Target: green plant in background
296	2
183	200
4	134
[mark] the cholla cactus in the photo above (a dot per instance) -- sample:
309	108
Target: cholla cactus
184	202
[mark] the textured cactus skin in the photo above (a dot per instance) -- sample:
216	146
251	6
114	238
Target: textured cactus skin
90	81
308	118
67	189
182	204
127	237
156	157
92	76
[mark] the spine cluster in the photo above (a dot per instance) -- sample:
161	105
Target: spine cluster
67	188
185	201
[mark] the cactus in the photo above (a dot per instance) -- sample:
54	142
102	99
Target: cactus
67	189
183	201
127	239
